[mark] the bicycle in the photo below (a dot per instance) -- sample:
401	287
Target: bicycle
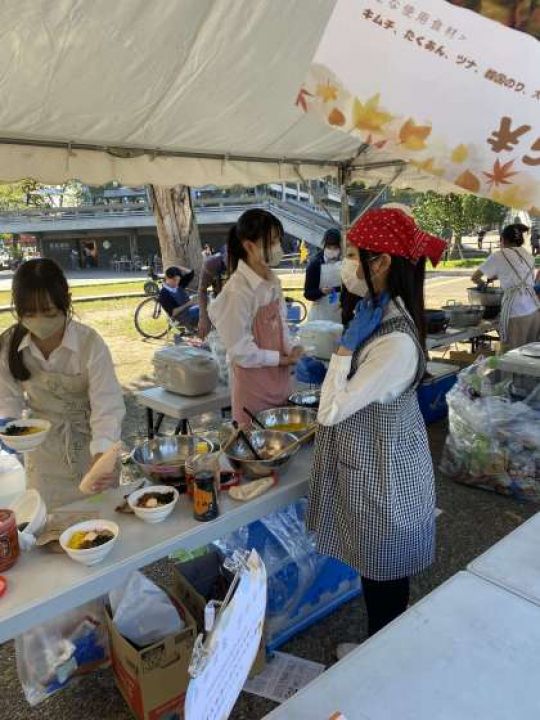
151	320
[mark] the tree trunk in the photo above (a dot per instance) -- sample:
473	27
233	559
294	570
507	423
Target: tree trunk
176	226
456	249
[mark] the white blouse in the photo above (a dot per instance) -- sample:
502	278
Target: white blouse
386	368
233	313
71	357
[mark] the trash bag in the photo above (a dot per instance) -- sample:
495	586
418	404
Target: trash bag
142	612
51	656
494	439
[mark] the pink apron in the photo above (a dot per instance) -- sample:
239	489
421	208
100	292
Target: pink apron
267	387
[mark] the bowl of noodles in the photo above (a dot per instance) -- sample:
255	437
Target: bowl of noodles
24	435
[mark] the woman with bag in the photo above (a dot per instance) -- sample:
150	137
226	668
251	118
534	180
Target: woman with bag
372	499
514	267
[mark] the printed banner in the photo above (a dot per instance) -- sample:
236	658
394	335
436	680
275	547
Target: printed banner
455	94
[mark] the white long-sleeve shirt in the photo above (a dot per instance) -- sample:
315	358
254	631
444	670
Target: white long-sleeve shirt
386	368
233	313
82	349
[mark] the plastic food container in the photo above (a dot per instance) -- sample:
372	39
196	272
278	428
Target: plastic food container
9	540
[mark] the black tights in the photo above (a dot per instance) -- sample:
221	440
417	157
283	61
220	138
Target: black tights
385	600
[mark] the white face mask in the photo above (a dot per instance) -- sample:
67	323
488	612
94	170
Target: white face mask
275	256
331	254
350	279
42	326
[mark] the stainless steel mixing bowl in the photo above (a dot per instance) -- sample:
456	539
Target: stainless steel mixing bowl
284	419
269	442
163	459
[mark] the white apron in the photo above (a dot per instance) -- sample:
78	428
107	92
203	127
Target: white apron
58	465
323	309
523	284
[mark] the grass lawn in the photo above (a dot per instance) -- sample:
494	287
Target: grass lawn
90	290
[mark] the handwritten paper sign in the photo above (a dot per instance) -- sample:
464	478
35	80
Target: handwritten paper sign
232	648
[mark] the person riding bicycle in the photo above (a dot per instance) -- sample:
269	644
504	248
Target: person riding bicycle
175	299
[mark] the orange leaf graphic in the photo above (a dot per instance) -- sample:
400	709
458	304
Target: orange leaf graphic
327	92
368	116
336	117
429	167
500	174
459	154
468	181
301	99
414	136
375	143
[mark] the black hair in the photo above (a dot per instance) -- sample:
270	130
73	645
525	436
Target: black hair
173	271
332	238
255	224
35	284
513	234
405	281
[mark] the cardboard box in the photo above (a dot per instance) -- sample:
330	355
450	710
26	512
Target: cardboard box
207	570
153	681
464	359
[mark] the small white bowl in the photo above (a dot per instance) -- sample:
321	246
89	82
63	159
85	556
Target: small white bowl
26	443
92	556
157	514
30	508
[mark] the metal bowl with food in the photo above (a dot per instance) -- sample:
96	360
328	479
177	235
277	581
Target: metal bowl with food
461	316
295	420
163	459
306	398
490	298
268	444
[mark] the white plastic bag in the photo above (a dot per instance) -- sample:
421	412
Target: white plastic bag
107	464
142	612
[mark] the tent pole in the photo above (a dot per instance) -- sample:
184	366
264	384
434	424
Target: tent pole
344	179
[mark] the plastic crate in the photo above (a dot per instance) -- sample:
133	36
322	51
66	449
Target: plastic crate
302	588
432	392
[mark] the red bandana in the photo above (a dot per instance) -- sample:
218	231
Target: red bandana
388	230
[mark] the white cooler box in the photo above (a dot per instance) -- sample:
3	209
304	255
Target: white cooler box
186	371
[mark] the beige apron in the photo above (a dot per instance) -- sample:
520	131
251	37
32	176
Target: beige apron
57	466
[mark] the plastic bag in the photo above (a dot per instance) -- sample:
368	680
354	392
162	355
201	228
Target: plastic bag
107	464
289	554
51	656
494	439
219	352
142	612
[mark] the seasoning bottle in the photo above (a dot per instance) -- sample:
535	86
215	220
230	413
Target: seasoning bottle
9	540
205	506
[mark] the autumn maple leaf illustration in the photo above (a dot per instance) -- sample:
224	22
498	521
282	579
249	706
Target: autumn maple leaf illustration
327	92
500	174
368	116
414	136
301	99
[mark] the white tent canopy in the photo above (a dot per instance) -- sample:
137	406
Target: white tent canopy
170	91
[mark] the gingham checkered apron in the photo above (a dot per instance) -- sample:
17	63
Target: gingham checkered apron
372	497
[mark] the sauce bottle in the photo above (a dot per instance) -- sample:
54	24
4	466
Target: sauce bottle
9	540
205	506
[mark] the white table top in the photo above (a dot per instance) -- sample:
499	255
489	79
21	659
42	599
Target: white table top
468	650
181	406
43	585
516	362
455	335
514	562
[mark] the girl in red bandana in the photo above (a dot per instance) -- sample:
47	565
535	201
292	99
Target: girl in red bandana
372	500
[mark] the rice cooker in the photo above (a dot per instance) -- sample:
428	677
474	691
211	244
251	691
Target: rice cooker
320	338
186	370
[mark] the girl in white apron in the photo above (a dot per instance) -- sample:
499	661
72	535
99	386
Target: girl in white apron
251	317
372	498
60	370
323	280
514	267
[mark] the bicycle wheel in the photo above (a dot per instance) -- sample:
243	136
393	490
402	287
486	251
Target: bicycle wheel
151	320
296	310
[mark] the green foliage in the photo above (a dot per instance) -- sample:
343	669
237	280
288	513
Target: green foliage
456	215
15	196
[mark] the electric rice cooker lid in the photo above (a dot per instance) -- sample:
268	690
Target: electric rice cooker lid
186	370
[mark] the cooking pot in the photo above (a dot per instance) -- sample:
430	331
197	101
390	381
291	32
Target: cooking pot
436	321
462	316
490	298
